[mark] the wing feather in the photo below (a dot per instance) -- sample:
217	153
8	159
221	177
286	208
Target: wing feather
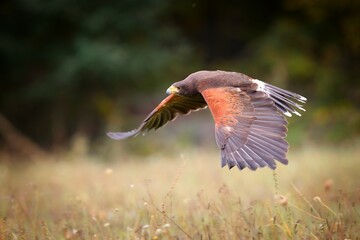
249	129
166	111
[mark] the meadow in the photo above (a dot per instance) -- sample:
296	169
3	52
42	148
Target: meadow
183	195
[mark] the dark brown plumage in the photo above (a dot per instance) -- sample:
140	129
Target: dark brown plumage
250	129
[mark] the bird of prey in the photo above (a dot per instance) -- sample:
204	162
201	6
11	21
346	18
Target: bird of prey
250	127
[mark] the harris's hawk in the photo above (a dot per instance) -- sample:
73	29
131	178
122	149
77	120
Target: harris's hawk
250	127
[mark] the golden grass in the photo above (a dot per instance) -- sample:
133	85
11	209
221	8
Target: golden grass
184	196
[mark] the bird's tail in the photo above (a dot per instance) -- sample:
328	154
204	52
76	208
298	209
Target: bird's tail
285	101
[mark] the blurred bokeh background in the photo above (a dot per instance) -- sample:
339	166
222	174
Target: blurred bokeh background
77	69
73	70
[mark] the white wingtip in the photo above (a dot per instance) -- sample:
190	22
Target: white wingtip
283	99
287	114
301	108
303	98
295	112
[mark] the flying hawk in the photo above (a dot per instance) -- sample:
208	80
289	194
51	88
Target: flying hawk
250	127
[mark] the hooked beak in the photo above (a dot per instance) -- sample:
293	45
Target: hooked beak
172	89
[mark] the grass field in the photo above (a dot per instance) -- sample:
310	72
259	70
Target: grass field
182	196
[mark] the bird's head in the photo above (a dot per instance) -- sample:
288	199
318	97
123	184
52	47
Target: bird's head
184	88
196	82
191	85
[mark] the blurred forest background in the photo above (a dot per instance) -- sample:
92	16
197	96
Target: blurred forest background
82	68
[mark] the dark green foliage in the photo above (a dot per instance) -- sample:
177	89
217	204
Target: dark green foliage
66	61
73	66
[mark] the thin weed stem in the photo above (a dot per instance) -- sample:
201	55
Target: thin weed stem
306	201
171	190
276	184
318	199
171	220
307	213
2	229
45	230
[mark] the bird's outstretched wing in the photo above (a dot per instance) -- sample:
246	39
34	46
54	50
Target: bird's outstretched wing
249	128
166	111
